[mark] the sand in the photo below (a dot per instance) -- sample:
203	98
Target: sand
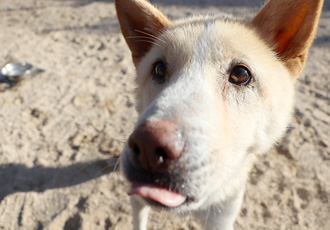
63	130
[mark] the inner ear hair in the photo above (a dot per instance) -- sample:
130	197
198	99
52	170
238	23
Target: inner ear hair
290	26
141	24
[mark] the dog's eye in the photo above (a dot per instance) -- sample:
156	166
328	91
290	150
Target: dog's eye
240	75
159	72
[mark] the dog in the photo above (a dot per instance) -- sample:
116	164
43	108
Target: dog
213	92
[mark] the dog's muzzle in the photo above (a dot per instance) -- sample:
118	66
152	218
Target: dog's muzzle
155	147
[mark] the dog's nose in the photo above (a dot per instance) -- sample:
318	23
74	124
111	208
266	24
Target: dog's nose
156	145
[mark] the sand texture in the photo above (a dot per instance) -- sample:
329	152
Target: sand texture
62	131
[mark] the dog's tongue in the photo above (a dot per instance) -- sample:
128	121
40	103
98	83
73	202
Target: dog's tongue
159	194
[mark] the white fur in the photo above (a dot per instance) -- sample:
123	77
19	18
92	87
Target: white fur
224	126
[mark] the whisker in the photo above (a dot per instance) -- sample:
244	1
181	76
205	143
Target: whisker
145	39
153	36
190	219
106	168
150	42
184	223
207	216
86	166
116	167
121	140
132	37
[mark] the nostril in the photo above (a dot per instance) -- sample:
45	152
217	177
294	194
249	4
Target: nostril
136	150
160	155
155	146
136	153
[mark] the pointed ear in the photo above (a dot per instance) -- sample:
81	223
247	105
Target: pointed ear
290	27
140	24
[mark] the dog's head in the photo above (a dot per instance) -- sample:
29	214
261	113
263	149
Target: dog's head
212	92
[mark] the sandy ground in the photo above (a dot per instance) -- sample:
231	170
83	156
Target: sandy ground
63	130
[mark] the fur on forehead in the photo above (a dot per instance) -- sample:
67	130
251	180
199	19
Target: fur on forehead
225	26
202	19
196	24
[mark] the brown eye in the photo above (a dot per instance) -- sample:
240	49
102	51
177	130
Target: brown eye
159	72
240	75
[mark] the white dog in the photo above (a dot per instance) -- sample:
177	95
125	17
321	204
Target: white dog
213	92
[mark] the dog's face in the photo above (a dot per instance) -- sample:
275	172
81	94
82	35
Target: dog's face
223	122
226	92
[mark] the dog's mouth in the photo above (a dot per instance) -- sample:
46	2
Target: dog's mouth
162	195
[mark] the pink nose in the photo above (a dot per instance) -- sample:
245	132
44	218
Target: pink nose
155	145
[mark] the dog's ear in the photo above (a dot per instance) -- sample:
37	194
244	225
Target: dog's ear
290	27
140	24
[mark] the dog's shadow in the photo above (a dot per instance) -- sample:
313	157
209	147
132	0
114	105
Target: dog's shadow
19	178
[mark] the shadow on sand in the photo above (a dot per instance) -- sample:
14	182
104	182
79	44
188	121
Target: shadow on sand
18	178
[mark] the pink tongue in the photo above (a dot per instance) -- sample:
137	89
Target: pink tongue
159	194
